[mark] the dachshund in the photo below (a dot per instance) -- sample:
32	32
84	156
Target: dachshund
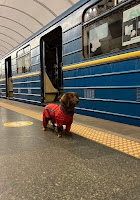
61	114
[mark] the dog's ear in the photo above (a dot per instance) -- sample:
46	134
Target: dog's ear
65	100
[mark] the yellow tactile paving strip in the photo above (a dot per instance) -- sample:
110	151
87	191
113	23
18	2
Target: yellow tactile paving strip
129	147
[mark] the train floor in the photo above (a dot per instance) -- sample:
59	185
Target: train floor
100	161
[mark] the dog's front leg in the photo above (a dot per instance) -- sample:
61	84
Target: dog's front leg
68	127
45	123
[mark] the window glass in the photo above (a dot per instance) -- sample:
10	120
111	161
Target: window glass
27	49
27	63
114	32
20	53
104	36
19	64
0	72
131	25
24	60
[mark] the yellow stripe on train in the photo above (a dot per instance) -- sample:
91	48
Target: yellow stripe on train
104	60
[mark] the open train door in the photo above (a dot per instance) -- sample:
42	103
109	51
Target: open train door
51	65
8	76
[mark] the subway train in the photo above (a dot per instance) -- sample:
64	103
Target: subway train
92	49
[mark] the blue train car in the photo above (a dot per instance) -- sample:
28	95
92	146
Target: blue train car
92	49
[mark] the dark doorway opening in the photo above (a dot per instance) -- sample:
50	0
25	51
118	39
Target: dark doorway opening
8	76
51	65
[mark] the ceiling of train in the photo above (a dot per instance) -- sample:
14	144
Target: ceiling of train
19	19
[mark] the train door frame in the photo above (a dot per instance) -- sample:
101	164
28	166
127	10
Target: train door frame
8	78
51	65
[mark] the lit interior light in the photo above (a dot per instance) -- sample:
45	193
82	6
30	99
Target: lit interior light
86	16
94	11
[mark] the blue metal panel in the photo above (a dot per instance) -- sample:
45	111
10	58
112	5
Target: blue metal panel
29	78
72	33
110	94
36	91
2	86
15	90
125	79
116	94
28	97
120	119
72	46
125	108
86	82
35	68
35	78
103	93
138	64
115	88
35	51
79	91
106	68
34	98
72	58
35	60
128	109
124	66
24	90
26	85
35	84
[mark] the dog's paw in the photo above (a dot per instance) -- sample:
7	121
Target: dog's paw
59	135
54	127
68	133
44	128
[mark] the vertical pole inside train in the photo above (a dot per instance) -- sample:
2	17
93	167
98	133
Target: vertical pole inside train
43	63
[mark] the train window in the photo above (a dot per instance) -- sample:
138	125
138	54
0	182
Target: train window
112	33
27	49
27	63
0	72
24	60
20	53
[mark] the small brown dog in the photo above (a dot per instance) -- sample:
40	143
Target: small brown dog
61	114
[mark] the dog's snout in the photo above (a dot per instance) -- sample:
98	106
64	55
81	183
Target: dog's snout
77	102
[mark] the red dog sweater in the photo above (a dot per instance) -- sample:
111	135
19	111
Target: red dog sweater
56	114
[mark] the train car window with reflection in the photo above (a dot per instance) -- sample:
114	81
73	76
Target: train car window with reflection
0	71
24	60
114	31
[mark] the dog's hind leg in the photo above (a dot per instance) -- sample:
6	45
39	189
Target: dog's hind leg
58	131
45	121
45	124
53	123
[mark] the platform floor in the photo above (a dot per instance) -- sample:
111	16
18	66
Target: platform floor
100	161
